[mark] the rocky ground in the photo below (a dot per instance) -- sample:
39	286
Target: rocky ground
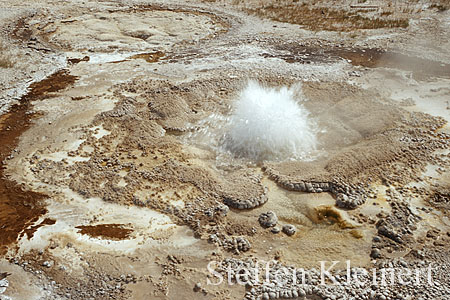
114	186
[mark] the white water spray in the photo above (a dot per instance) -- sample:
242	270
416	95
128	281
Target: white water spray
269	124
265	124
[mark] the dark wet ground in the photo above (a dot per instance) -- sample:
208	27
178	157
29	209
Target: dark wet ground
370	58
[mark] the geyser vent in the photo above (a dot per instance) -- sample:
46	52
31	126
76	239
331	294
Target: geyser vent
265	124
268	124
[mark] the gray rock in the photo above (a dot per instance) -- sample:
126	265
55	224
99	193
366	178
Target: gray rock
197	287
302	186
268	219
375	253
3	285
289	229
301	293
222	210
275	230
47	264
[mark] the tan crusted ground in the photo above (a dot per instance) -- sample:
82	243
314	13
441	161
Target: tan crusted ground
111	194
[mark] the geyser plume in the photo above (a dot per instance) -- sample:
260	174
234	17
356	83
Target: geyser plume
268	124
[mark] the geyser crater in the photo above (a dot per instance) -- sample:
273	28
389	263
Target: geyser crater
265	124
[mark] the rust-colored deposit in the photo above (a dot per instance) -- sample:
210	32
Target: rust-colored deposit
19	208
54	83
31	230
329	215
325	18
75	61
107	231
149	57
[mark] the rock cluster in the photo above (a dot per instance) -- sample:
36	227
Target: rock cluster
237	244
280	283
350	201
347	195
94	285
270	220
233	244
220	211
305	186
399	225
246	203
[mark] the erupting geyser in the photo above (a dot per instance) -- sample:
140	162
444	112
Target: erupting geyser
268	124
